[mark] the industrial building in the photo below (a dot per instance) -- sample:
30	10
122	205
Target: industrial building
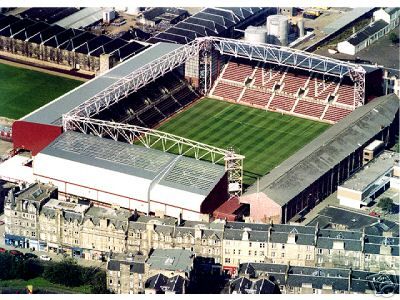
372	180
385	20
307	177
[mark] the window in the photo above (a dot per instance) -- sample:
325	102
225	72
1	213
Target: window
234	251
282	255
261	253
262	245
283	246
110	281
272	254
308	257
227	260
227	251
298	256
319	251
273	245
249	252
33	233
239	252
255	253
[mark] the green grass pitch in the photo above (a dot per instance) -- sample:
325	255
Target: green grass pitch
23	90
265	138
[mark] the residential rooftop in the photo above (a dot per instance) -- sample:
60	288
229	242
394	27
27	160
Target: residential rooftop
171	260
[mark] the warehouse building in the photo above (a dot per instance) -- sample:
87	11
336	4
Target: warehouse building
309	176
131	176
368	183
385	20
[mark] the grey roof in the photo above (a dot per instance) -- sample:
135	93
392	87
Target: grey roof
118	217
365	179
207	22
171	260
347	18
82	18
51	113
352	220
361	281
177	172
366	32
315	159
244	285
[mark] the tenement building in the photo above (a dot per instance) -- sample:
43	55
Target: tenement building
311	280
92	232
165	271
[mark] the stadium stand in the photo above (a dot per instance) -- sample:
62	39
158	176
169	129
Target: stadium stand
153	103
213	22
135	34
278	88
70	48
313	173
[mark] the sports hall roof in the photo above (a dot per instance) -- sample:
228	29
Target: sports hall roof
52	113
207	22
315	159
174	171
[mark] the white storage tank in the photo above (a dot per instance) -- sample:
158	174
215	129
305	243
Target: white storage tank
255	34
300	25
277	28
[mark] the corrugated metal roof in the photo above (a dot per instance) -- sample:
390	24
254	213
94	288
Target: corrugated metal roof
83	18
178	172
346	19
52	112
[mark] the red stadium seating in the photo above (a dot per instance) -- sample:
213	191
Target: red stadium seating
346	95
281	102
237	72
228	92
256	97
335	113
309	109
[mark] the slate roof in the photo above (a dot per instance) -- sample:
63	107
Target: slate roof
366	32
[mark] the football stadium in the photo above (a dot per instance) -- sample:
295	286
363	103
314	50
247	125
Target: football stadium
180	129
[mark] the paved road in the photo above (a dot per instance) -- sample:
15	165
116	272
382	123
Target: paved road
54	256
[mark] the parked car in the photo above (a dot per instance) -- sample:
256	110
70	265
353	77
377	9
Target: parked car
16	253
374	214
45	257
2	250
30	255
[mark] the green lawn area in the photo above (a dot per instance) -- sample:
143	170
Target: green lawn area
41	283
22	90
265	138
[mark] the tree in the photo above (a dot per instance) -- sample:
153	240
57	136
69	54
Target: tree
386	204
99	283
393	37
66	272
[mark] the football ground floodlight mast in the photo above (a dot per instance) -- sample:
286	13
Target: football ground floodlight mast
151	138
